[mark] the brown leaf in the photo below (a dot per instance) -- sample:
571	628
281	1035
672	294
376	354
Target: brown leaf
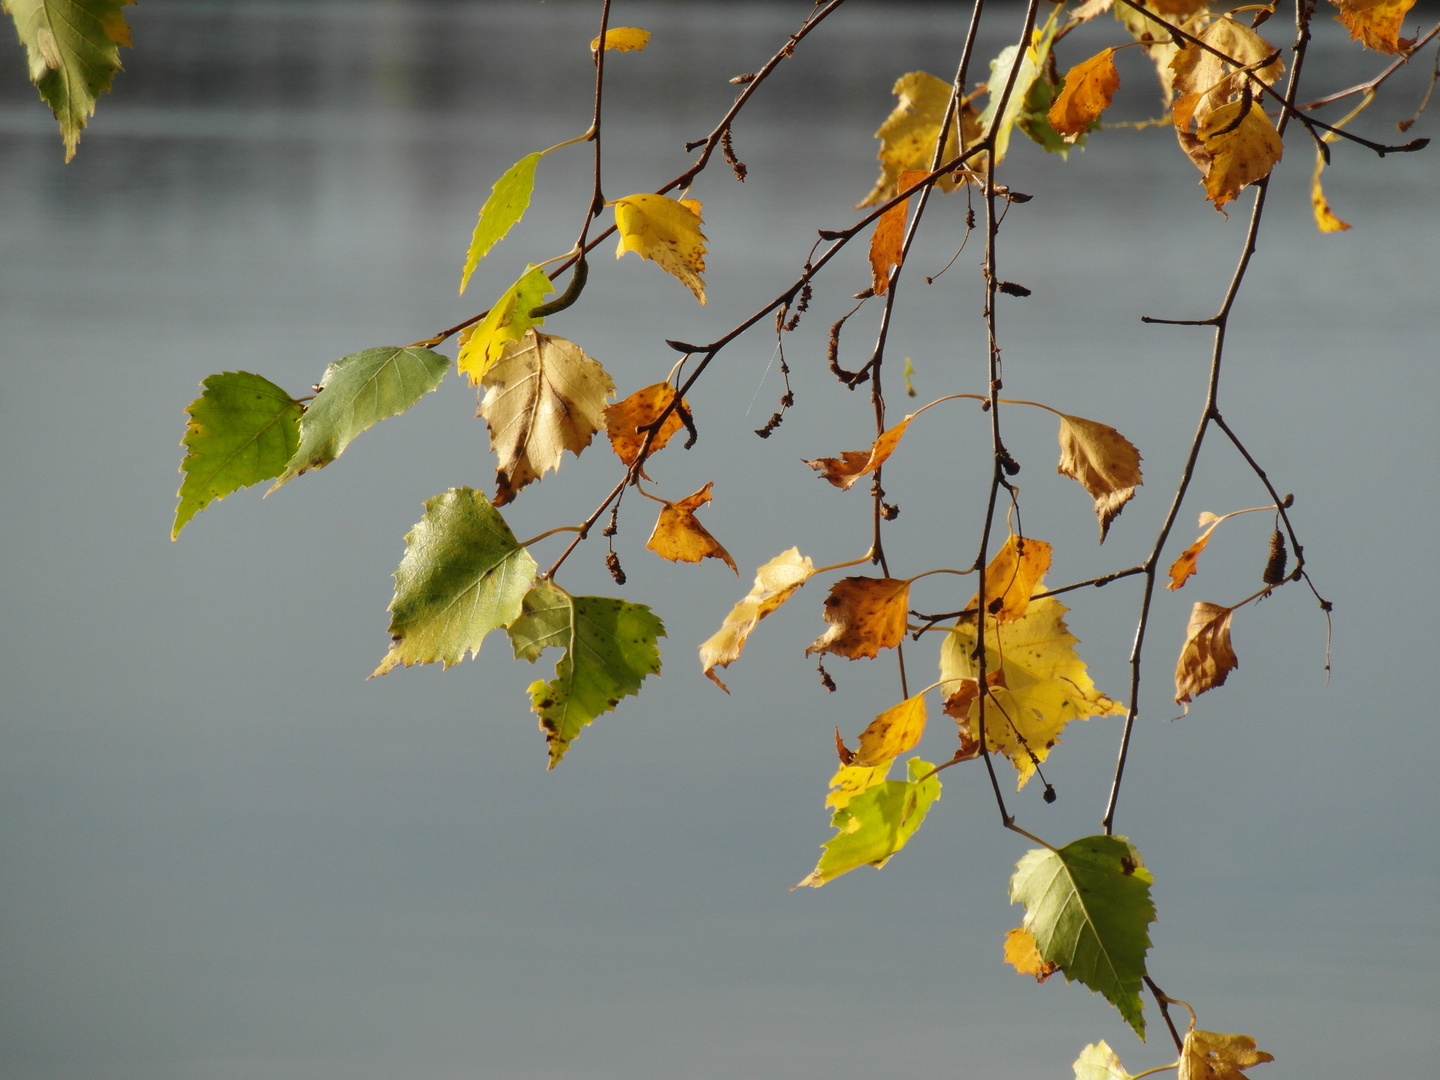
888	241
1023	955
959	706
1105	463
624	419
1209	1055
853	464
890	734
542	397
1207	657
1011	577
1376	22
680	538
1089	88
865	616
775	582
1240	155
1184	568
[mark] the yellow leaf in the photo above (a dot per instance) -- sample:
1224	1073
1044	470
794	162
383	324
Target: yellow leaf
1244	153
625	419
542	397
1098	1062
908	135
1376	22
1023	955
1206	658
680	538
1011	577
1325	219
775	582
1156	41
888	241
891	733
1199	71
1184	568
509	318
1209	1055
865	616
853	780
1105	463
853	464
1045	684
666	231
623	39
1089	88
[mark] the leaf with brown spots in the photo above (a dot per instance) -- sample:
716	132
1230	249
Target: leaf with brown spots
1376	23
1023	955
1011	577
1106	464
775	582
908	135
623	39
1184	568
853	780
865	616
1207	657
1199	71
625	421
680	538
1325	219
1239	153
890	734
853	464
1210	1055
1089	88
666	231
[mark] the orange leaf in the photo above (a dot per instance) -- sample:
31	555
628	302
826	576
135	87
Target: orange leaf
1105	463
888	241
624	419
1376	22
1184	568
853	464
1207	657
1023	955
890	734
865	616
961	703
1089	88
1238	156
775	582
1012	576
680	538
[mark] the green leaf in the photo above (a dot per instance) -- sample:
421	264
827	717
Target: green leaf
506	205
1088	906
358	391
242	430
1034	118
609	650
1032	63
74	51
509	318
463	575
876	823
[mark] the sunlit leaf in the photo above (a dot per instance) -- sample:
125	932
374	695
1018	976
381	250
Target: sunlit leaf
1207	657
865	616
625	419
908	135
1023	955
509	318
666	231
775	582
1010	579
1199	71
242	430
887	243
876	823
623	39
1185	567
1106	464
1098	1062
680	538
1325	219
851	780
506	205
1376	23
1031	63
1239	154
890	734
1210	1055
1088	906
357	392
1089	88
853	464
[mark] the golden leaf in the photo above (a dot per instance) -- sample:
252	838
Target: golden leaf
1206	658
623	39
1156	41
1011	577
666	231
1044	684
1325	219
891	733
1199	71
1376	23
1098	1062
509	317
888	241
908	135
1089	88
1209	1055
853	464
1184	568
1106	464
1023	955
680	538
865	616
775	582
1244	153
852	780
624	420
542	397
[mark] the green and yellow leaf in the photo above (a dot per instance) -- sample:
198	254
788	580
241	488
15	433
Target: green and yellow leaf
509	318
875	823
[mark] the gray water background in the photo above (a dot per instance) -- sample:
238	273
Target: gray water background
226	856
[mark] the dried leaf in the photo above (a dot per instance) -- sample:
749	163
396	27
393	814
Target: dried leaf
1098	1062
1105	463
1022	954
888	241
680	538
1184	568
853	464
1376	22
1199	71
865	616
1157	41
775	582
509	318
1089	88
890	734
1011	577
542	397
1325	219
908	135
1238	156
623	39
666	231
625	419
1207	657
1209	1055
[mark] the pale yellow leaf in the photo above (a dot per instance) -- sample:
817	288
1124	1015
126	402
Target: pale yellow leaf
623	39
1098	1062
666	231
1207	657
1106	464
865	616
775	582
1210	1055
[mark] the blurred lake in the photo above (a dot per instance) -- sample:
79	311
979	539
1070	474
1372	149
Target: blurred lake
229	857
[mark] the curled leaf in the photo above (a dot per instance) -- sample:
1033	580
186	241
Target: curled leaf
1011	577
890	734
1098	1062
625	420
680	538
1376	23
666	231
1022	954
508	319
775	582
1089	88
1184	568
1210	1055
1207	657
1106	464
853	464
623	39
887	243
865	616
1325	219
